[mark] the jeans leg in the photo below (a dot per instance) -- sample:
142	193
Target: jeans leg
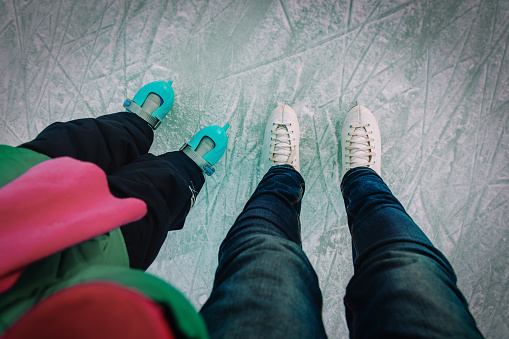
166	183
109	141
402	285
265	287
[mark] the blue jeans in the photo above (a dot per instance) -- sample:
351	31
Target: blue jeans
265	286
402	285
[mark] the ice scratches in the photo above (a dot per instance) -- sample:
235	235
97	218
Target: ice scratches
55	58
497	82
286	17
425	108
329	191
462	40
315	45
380	58
331	270
18	29
349	44
463	88
212	20
457	17
88	62
497	312
350	10
193	280
13	132
123	32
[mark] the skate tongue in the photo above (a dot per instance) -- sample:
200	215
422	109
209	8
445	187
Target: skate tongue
152	102
361	155
206	144
282	147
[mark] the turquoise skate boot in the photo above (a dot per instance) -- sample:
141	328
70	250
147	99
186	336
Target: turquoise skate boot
152	102
207	147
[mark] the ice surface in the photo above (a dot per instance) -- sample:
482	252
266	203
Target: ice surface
435	74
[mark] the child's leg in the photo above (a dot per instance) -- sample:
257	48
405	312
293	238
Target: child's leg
109	141
166	183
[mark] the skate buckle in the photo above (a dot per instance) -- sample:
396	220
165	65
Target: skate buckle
133	107
209	171
204	165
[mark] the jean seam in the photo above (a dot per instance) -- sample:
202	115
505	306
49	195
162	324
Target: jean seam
300	194
354	241
349	201
355	245
299	228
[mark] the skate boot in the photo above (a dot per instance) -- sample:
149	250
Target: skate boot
152	102
360	140
282	137
207	147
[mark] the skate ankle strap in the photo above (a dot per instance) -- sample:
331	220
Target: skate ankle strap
204	165
133	107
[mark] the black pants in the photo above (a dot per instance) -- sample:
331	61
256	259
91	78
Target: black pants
119	143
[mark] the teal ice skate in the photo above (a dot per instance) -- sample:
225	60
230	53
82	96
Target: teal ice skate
207	147
152	102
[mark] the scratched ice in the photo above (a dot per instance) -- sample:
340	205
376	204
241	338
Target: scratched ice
434	73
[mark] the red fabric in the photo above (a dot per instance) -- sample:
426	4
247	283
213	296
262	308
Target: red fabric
93	310
55	205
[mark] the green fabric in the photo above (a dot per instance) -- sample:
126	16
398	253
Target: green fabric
103	258
40	278
81	264
16	161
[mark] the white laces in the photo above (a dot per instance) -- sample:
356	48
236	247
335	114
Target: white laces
360	149
281	149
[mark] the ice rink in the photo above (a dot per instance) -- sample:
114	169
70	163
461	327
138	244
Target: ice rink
435	74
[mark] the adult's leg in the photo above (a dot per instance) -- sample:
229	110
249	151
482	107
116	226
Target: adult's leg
166	183
402	286
265	287
109	141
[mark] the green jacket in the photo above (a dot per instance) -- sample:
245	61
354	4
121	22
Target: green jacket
103	258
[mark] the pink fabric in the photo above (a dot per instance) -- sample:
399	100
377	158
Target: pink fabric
55	205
